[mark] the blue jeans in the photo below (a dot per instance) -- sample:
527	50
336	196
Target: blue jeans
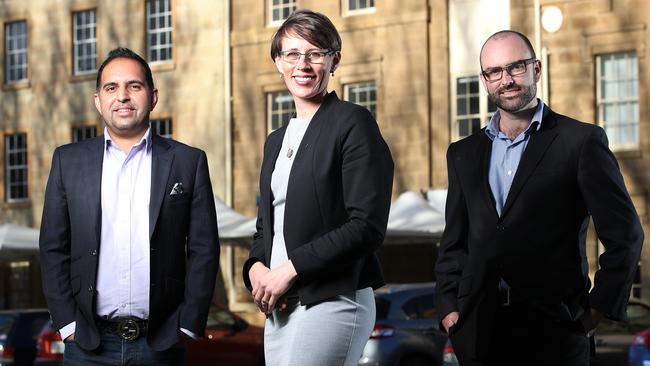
114	351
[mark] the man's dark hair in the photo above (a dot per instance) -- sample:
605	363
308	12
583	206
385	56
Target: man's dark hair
314	27
122	52
504	33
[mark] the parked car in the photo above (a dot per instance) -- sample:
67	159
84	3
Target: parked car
229	340
18	332
614	338
639	351
406	331
49	347
448	356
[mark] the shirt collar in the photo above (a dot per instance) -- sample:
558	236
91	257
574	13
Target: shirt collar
492	129
146	139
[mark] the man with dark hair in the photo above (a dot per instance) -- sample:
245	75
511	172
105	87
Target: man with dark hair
129	243
512	272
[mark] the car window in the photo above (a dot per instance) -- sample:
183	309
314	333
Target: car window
382	306
219	318
420	307
6	321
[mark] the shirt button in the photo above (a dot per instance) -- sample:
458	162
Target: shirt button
501	228
509	172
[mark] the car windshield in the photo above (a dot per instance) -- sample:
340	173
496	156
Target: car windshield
6	321
382	308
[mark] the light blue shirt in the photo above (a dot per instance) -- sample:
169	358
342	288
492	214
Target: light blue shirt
506	155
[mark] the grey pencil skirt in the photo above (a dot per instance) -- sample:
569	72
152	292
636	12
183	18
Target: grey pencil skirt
330	333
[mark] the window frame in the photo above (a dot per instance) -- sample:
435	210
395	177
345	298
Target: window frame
169	119
168	30
345	7
76	128
270	7
76	43
371	105
602	102
7	53
7	184
484	114
282	112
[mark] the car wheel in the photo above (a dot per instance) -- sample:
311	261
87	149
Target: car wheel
416	361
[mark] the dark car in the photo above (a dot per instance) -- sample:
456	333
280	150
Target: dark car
49	347
406	331
639	352
228	341
614	338
18	332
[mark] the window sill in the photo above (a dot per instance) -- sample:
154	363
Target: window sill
25	84
163	66
83	77
356	12
17	205
627	154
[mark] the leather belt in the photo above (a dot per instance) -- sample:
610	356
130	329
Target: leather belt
127	328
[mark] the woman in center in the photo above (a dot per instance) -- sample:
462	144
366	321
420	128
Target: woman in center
325	186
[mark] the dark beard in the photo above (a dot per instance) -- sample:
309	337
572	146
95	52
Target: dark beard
529	92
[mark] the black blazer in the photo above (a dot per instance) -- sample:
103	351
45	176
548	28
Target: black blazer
537	245
183	239
337	202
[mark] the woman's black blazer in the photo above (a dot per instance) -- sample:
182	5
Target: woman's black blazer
337	202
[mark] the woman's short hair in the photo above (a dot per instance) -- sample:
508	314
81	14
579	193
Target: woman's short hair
313	27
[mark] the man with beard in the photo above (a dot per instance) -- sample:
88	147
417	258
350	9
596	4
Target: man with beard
512	270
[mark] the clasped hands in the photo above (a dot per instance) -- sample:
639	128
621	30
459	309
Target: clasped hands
270	284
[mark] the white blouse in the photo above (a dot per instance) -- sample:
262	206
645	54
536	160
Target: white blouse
279	181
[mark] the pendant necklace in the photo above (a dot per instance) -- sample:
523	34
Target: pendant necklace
290	150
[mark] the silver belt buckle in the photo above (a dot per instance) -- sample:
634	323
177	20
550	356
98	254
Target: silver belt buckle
128	329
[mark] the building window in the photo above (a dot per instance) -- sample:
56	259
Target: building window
81	133
618	99
357	5
16	167
280	109
162	127
469	116
279	10
363	94
15	52
84	42
159	30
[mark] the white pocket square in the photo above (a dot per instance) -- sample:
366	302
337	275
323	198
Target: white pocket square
177	189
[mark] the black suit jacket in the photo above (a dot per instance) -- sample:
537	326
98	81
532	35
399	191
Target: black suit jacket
183	239
537	245
337	202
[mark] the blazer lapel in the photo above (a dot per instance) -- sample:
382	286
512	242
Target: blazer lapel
311	136
161	162
484	152
539	142
93	182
